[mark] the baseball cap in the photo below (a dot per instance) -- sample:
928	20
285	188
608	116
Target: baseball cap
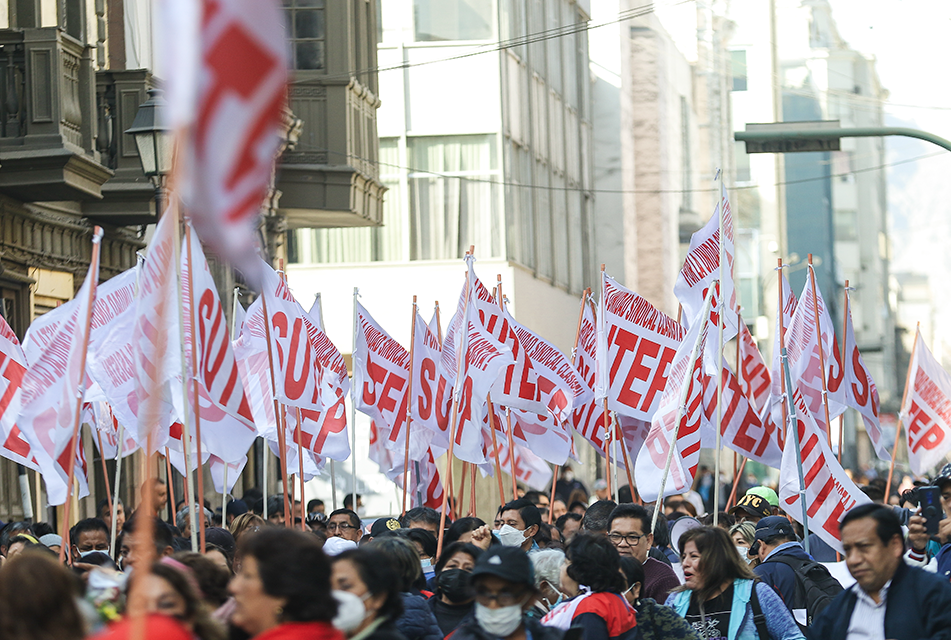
335	545
51	540
382	525
767	494
754	505
944	476
237	507
774	526
221	538
508	563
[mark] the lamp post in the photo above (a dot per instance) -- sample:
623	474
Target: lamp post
153	140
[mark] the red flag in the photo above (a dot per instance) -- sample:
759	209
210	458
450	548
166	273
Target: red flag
48	402
860	391
237	105
926	411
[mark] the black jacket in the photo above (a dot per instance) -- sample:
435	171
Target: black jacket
917	607
417	621
470	630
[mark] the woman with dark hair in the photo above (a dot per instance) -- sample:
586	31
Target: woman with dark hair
454	597
591	574
721	598
282	590
38	599
171	588
654	621
367	585
461	530
417	621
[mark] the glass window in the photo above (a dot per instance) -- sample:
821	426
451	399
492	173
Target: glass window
738	67
438	20
306	27
743	171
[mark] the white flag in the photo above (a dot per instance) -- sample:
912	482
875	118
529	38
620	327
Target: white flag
926	412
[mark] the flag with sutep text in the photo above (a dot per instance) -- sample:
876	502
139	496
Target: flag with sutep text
926	411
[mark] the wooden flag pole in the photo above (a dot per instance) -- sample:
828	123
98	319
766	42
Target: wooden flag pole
409	405
114	504
93	283
299	435
282	453
171	486
736	483
619	432
793	425
681	405
285	472
105	472
845	329
495	449
472	493
822	357
195	515
461	498
460	360
508	411
904	397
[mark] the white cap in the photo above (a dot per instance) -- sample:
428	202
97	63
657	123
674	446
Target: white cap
336	545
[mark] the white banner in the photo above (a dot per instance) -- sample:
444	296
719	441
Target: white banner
926	412
860	391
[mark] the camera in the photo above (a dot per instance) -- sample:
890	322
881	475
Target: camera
929	499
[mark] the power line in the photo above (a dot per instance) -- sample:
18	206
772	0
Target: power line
412	170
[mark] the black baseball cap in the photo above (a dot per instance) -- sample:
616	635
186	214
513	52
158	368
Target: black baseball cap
508	563
754	505
382	525
944	476
774	526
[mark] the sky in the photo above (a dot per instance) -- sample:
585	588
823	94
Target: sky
911	41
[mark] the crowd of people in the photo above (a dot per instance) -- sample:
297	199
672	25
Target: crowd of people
579	567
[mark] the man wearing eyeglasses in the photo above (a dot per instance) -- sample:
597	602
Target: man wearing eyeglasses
629	530
344	523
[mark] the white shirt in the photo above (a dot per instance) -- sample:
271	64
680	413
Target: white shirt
868	617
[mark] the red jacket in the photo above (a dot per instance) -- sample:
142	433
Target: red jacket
302	631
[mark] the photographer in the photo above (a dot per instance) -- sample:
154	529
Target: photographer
919	540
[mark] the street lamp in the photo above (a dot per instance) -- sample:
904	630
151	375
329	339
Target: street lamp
153	140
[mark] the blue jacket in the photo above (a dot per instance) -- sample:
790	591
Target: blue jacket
944	562
417	621
781	577
917	607
779	621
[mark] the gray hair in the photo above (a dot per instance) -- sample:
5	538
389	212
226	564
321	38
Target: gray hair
547	565
183	513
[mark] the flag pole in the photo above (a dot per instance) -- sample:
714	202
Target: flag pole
409	405
194	346
472	495
282	453
720	323
508	411
114	505
845	329
464	476
790	416
353	414
904	397
822	357
105	472
682	404
299	435
495	449
624	452
607	417
739	378
171	488
224	491
460	360
80	392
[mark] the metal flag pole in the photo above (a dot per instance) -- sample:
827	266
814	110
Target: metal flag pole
353	414
682	405
409	406
720	297
904	396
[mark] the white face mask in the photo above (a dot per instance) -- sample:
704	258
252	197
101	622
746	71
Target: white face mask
510	536
568	476
350	611
499	622
743	551
361	511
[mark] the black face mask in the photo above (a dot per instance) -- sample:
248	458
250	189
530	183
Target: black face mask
455	585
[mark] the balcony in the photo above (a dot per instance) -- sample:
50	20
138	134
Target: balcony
48	122
331	177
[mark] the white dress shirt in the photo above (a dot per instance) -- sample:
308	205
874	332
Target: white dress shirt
868	617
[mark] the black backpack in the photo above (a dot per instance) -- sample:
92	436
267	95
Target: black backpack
815	586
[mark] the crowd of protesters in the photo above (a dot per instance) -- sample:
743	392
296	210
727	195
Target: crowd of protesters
577	568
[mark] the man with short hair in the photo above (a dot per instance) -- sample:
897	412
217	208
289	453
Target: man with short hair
769	496
129	548
919	538
344	523
889	598
629	530
87	536
597	518
569	524
159	492
104	509
423	518
520	521
315	506
183	520
751	508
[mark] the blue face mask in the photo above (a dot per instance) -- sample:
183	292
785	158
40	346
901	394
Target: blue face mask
428	569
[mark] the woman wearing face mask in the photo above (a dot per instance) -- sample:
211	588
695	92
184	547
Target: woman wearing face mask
453	599
654	621
504	586
591	574
366	586
744	535
547	564
417	621
721	597
282	591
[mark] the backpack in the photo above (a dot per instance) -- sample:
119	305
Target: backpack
815	586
